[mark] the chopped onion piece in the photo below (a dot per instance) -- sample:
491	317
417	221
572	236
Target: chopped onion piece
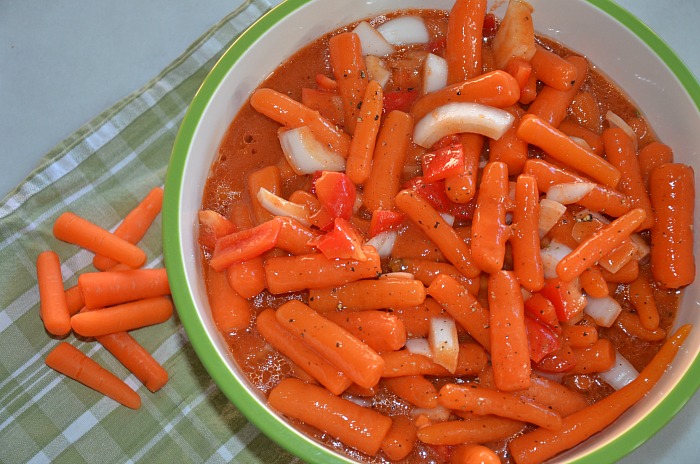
616	121
405	30
459	117
551	256
373	42
306	154
516	34
621	374
569	192
377	70
443	341
603	311
419	346
434	73
359	400
281	207
436	414
643	248
581	142
398	275
449	219
383	243
550	213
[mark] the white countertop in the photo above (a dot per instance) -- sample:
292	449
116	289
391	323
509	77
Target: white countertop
62	63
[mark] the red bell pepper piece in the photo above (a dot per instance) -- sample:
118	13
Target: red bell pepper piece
337	193
434	193
541	339
443	162
567	298
562	360
540	308
401	100
384	220
344	241
213	226
244	245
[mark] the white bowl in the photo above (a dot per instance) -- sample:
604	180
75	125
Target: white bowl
613	40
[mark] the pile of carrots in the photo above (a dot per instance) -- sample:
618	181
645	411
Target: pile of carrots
106	304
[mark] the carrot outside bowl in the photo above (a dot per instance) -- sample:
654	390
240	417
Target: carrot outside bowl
622	47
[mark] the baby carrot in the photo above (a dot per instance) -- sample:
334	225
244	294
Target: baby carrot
349	354
54	306
620	151
123	317
560	146
390	153
472	360
247	277
416	319
483	401
464	40
71	228
579	336
70	361
489	230
525	239
510	149
461	188
74	299
653	155
542	444
673	198
472	454
294	237
574	129
135	224
554	396
299	352
642	298
359	162
381	330
598	357
229	310
368	294
553	70
432	224
294	273
463	307
482	429
348	64
551	104
101	289
415	389
510	355
357	427
269	178
328	103
400	440
593	282
599	244
427	270
289	112
134	357
627	273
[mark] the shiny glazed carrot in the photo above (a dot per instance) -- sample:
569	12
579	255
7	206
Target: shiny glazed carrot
653	155
489	231
464	40
472	360
510	148
247	277
574	129
348	64
472	454
642	298
381	330
400	440
415	389
294	237
53	304
359	163
364	295
525	238
632	324
427	270
599	357
477	430
593	282
416	319
553	70
229	310
269	178
551	104
461	188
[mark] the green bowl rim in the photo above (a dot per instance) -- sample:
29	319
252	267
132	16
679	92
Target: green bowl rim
249	404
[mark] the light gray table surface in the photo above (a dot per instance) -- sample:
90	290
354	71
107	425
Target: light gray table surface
63	62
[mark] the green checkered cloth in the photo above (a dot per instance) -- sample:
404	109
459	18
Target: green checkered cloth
101	172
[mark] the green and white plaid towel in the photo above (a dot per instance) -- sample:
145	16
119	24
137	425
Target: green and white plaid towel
101	172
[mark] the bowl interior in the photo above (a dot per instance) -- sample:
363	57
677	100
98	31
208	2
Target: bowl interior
621	46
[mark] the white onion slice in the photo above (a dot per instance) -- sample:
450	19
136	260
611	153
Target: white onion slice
434	73
443	341
581	142
516	34
551	256
643	248
383	243
459	117
603	311
569	192
419	346
398	275
616	121
436	414
281	207
405	30
550	213
449	219
621	374
306	154
377	70
373	42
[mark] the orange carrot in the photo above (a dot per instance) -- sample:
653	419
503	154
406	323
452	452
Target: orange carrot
269	178
642	298
353	357
359	163
135	358
477	430
213	226
368	294
74	299
461	188
101	289
53	307
415	389
599	244
653	155
247	278
574	129
529	92
632	325
510	149
387	165
484	401
541	444
294	237
598	357
432	224
71	228
123	317
673	198
620	151
489	230
70	361
464	40
593	282
525	239
283	109
554	395
294	273
427	270
473	454
551	104
135	224
579	336
317	407
463	307
520	69
328	104
229	310
416	319
348	64
553	70
627	274
560	146
510	355
472	360
299	352
380	330
400	440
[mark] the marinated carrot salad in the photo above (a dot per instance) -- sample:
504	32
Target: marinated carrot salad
433	236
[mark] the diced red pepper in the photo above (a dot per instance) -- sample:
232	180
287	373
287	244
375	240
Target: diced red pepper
490	26
401	100
543	310
443	162
541	339
344	241
337	193
567	298
446	141
213	226
434	193
244	245
562	360
384	220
